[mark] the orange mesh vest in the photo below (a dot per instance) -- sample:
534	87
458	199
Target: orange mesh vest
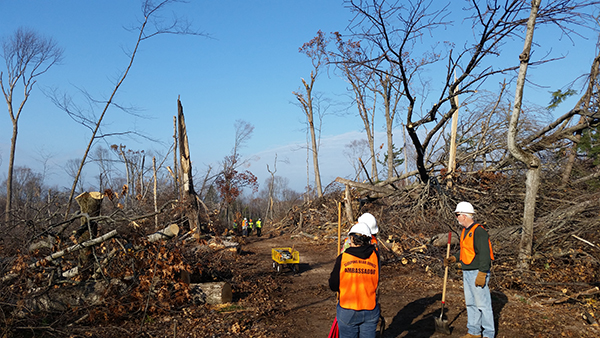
467	248
358	282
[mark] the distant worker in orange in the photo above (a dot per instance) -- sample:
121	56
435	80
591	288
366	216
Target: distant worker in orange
245	227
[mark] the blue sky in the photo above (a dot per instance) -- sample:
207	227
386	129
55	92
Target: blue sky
247	69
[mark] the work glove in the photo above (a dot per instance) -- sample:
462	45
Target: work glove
480	280
449	260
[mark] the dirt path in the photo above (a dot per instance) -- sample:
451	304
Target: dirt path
410	298
306	301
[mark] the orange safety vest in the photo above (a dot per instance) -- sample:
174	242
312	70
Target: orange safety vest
467	248
358	282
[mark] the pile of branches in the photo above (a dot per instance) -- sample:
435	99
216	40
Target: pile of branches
565	261
110	269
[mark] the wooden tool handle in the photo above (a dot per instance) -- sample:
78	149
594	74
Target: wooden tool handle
446	271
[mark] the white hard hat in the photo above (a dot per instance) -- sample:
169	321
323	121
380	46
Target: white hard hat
464	208
370	221
361	229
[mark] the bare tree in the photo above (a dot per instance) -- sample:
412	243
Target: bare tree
396	30
391	97
230	181
548	136
27	55
151	17
354	151
269	211
316	50
350	59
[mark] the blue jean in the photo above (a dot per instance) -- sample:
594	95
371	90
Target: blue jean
479	305
353	324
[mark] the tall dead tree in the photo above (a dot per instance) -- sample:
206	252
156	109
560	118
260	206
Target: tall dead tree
269	211
315	49
190	198
532	162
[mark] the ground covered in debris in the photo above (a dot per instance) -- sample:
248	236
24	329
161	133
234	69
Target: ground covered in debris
267	303
144	293
271	304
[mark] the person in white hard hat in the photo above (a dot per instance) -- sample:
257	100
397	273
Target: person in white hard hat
476	256
245	227
370	221
358	308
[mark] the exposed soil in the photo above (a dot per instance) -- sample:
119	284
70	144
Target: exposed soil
267	303
304	306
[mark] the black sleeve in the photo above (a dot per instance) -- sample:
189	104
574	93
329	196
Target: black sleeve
334	278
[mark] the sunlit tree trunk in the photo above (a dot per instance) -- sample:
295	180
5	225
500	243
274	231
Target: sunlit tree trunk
532	162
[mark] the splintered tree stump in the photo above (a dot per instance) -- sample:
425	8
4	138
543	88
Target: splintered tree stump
211	293
90	204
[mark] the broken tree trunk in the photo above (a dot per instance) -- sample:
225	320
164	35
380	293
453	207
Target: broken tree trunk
348	205
89	205
189	194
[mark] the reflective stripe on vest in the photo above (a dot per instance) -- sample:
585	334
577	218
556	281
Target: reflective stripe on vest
358	282
467	247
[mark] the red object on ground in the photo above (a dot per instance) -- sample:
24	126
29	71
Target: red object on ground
334	332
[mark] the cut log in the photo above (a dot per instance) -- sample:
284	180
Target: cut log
75	247
211	293
167	233
224	245
441	240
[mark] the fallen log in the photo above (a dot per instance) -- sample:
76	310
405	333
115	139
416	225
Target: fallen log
304	234
223	244
589	292
75	247
167	233
211	293
366	186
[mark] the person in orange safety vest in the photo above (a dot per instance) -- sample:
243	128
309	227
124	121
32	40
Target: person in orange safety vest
476	256
355	276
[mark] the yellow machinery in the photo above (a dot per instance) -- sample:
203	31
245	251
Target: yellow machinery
285	257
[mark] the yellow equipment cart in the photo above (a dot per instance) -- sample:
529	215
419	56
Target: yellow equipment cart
285	257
